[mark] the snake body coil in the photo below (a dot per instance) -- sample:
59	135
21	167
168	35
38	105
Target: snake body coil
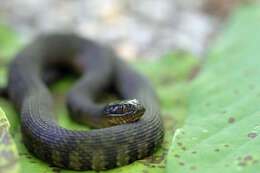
103	148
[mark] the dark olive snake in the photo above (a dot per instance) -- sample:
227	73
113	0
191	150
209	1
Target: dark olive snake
121	135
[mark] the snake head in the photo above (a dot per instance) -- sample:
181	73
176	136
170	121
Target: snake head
122	112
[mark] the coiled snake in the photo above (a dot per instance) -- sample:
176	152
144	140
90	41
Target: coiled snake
122	133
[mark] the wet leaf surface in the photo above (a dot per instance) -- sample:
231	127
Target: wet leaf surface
221	132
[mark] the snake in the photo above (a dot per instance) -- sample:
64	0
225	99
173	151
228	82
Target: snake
122	131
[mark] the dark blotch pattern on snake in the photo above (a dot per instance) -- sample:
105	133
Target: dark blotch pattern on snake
104	147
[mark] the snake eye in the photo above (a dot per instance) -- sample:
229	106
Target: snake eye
118	109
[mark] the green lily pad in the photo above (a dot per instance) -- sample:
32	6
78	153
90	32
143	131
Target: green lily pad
221	132
170	76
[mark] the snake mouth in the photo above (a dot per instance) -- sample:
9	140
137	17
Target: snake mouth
120	114
136	112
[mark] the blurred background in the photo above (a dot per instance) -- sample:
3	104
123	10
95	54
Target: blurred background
146	28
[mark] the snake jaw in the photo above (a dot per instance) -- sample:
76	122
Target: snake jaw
122	112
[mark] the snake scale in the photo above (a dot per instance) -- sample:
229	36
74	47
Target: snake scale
103	147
